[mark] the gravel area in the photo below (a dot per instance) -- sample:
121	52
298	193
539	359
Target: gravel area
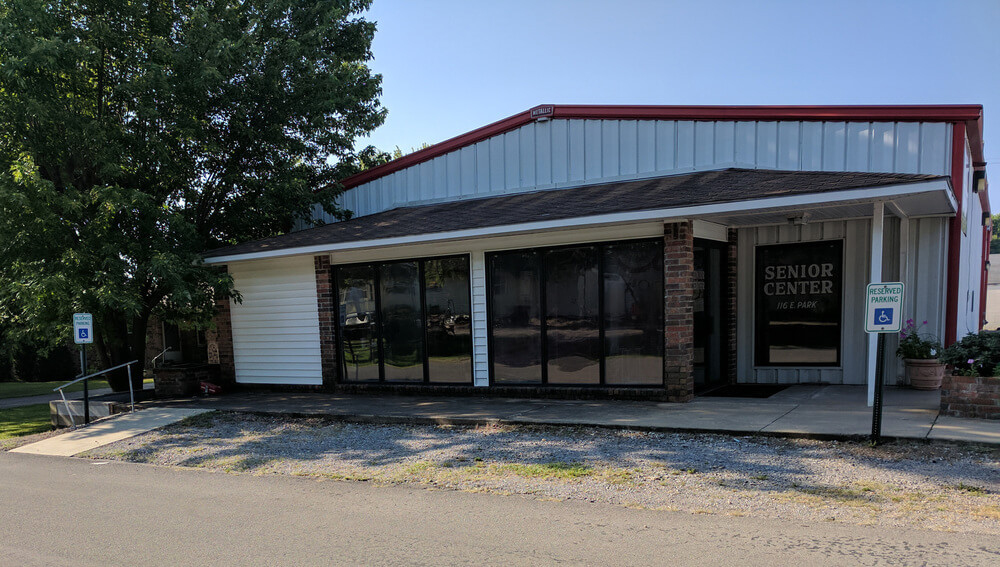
936	486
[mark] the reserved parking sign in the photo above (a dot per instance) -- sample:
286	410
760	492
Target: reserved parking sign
884	308
83	328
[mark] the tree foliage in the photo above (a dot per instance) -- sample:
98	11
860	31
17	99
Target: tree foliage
995	238
136	135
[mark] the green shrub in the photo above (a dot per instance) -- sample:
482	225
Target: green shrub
977	354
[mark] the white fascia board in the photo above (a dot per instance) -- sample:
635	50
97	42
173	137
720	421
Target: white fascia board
803	200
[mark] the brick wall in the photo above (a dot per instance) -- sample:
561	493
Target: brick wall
327	332
219	341
729	299
971	396
678	311
154	340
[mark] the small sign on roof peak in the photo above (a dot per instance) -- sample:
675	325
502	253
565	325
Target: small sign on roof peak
544	111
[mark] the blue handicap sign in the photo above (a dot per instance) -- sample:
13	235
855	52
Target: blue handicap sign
883	316
83	333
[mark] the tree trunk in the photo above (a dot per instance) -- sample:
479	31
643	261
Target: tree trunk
117	347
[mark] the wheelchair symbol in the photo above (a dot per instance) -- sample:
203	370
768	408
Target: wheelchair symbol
883	316
83	333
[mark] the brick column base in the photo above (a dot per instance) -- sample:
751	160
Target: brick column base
327	332
971	396
678	311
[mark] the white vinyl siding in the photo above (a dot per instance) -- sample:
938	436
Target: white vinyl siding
480	324
276	327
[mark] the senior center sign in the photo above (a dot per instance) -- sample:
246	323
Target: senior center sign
798	303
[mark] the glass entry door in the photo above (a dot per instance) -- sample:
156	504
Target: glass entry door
708	294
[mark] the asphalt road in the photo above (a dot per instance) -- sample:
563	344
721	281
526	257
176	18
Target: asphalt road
63	511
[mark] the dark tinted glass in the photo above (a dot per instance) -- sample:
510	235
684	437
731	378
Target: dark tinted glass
449	320
633	307
798	300
572	311
515	324
358	325
402	340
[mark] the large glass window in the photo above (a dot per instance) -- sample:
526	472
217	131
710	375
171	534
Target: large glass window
572	316
402	331
405	321
358	326
515	322
633	313
449	320
798	304
603	314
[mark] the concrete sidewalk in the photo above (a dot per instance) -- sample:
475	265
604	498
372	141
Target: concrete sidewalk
107	431
807	411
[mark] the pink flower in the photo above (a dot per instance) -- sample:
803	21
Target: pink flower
971	361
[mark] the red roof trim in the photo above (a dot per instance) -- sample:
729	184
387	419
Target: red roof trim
970	113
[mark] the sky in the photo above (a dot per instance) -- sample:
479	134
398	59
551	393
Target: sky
449	67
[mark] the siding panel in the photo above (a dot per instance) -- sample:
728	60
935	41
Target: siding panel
276	327
685	144
704	143
480	342
854	345
564	152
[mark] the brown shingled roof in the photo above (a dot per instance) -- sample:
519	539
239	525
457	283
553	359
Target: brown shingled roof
706	187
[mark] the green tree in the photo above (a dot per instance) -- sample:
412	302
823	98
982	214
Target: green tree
136	135
995	238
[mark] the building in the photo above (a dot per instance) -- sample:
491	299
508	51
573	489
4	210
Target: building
625	251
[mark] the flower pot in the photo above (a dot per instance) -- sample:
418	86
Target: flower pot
924	374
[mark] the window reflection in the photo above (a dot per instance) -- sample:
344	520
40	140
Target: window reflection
633	313
449	320
572	316
382	314
515	325
631	276
358	347
402	343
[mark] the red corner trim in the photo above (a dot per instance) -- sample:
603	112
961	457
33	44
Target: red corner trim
955	233
984	280
964	113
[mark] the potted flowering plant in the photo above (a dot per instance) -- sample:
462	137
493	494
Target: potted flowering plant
919	353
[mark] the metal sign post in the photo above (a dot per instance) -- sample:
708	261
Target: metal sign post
883	314
83	335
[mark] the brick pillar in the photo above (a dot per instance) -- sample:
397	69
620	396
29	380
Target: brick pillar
219	340
678	310
327	332
154	340
729	297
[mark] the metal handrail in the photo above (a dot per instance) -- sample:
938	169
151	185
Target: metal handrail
162	352
131	395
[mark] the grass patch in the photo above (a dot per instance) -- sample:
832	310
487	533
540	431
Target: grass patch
25	420
25	389
850	496
199	421
970	488
555	469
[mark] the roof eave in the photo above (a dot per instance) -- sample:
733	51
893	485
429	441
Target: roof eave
863	194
